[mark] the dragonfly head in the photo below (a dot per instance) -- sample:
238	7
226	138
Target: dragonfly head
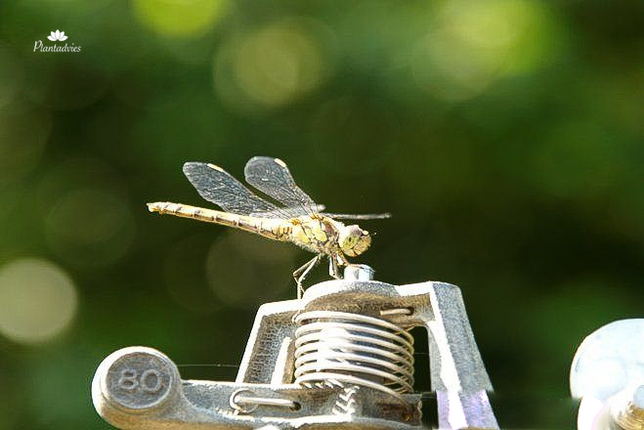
354	240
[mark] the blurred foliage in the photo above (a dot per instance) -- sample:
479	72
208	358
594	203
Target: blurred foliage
504	135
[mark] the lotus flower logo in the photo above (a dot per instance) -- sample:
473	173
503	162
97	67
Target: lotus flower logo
57	35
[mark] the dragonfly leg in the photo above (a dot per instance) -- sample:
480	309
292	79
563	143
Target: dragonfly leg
336	260
301	274
334	272
343	260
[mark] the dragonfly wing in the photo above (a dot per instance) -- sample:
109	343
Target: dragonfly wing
219	187
287	213
272	177
357	216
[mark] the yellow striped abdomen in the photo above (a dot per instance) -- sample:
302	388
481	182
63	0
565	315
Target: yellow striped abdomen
270	228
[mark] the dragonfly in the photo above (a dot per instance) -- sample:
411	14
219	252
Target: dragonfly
296	219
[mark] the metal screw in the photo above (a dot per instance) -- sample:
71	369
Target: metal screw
137	378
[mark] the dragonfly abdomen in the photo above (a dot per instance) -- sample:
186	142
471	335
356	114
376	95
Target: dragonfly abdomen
262	226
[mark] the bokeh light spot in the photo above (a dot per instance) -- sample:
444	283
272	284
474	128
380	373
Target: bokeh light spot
37	300
271	66
183	18
475	42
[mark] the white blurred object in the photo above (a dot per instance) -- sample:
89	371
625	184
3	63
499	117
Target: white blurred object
608	375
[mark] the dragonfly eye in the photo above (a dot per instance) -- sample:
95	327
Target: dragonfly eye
354	241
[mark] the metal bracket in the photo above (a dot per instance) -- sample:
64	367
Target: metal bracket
140	388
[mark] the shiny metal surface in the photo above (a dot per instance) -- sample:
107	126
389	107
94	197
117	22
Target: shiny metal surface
140	388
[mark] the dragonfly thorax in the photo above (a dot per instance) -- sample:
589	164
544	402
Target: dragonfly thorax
327	236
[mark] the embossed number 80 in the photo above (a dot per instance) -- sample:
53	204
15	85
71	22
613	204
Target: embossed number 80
130	380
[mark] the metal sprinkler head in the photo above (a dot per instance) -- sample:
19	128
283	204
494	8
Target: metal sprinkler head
339	357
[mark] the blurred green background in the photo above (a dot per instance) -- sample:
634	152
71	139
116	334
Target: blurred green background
506	137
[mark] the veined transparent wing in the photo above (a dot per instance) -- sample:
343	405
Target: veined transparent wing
357	216
217	186
272	177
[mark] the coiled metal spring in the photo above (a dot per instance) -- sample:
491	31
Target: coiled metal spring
338	348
